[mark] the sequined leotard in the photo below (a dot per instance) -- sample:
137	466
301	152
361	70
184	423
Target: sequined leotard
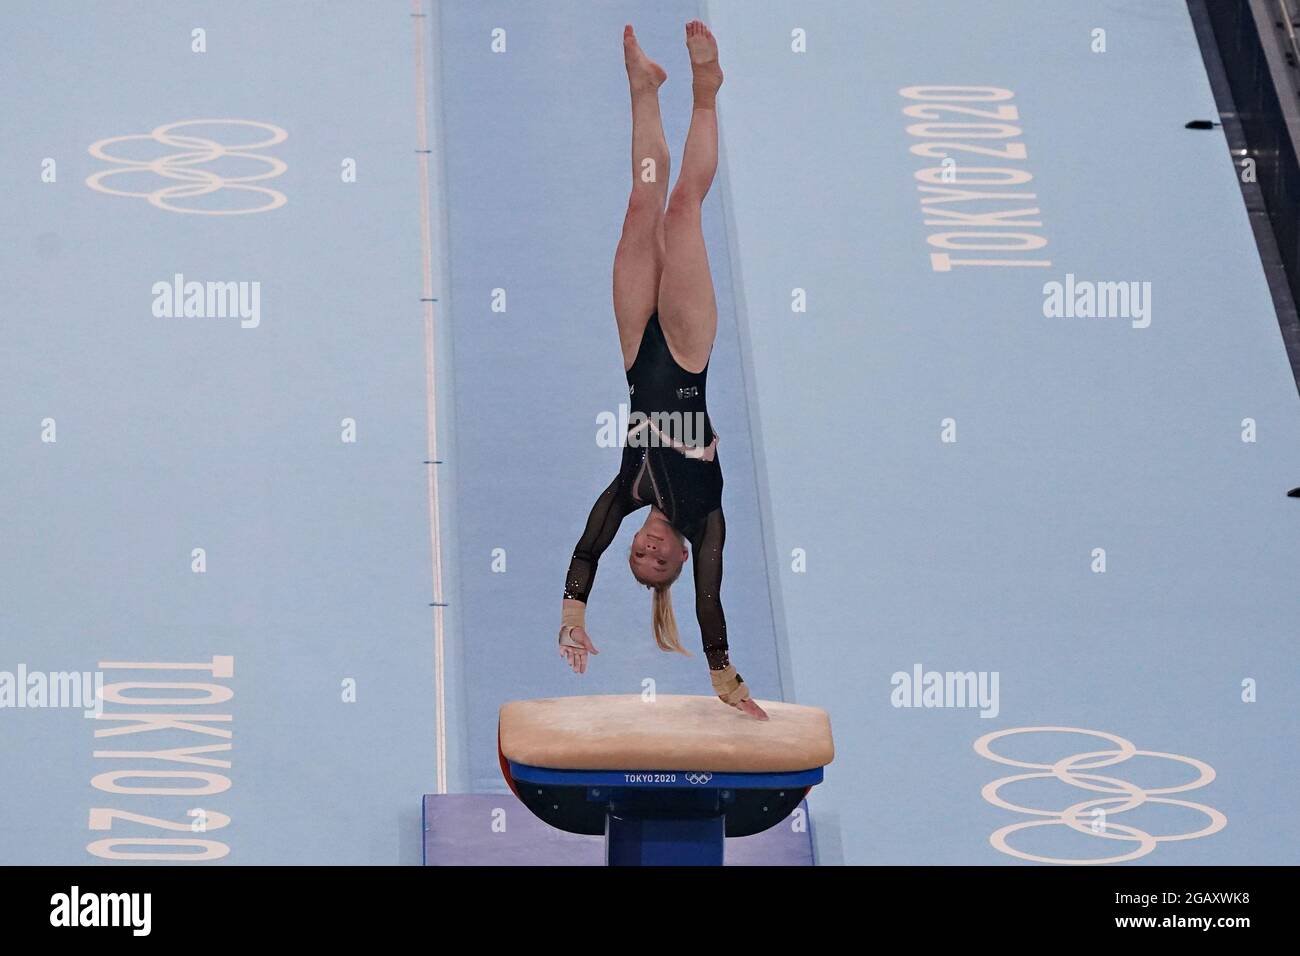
688	490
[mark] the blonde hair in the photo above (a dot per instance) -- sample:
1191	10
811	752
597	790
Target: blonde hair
662	619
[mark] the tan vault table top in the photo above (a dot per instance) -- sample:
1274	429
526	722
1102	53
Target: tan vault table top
674	732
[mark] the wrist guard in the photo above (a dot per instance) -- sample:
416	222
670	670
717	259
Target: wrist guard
729	685
570	617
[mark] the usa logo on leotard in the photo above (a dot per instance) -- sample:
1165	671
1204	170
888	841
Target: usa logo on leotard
1129	796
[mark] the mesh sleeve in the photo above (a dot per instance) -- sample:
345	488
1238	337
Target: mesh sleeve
602	525
706	548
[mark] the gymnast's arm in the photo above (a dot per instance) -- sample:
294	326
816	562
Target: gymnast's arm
708	540
607	514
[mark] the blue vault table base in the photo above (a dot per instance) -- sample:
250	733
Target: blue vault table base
660	817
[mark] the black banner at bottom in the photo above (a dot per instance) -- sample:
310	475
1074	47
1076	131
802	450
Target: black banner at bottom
336	904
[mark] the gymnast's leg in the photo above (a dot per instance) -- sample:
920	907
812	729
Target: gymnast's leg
687	308
638	261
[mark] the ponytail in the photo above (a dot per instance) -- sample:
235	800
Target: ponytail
664	621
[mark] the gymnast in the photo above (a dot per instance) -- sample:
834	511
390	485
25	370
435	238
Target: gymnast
667	320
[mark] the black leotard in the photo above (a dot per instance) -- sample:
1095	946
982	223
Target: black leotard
657	384
687	490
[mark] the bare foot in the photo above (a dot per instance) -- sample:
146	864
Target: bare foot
706	73
751	707
643	73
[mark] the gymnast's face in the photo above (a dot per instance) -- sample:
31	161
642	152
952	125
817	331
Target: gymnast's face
658	552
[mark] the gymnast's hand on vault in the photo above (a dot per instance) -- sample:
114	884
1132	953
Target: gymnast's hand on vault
577	656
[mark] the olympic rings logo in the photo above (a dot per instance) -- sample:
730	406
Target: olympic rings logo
1129	796
184	166
698	778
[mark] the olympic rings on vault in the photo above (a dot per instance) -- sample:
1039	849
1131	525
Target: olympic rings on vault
1129	796
184	166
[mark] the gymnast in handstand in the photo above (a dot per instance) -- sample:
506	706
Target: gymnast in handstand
667	320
